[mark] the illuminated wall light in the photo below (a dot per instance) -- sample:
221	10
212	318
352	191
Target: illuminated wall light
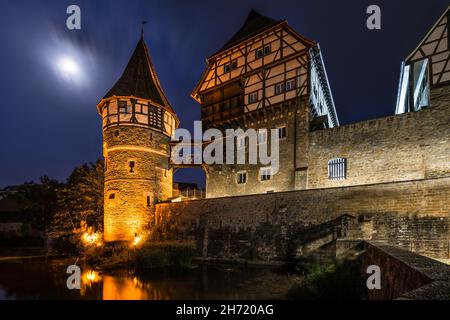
91	238
137	239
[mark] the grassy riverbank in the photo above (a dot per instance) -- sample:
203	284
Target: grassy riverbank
154	255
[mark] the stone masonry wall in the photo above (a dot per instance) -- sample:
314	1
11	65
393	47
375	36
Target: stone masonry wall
404	147
405	275
221	180
125	205
410	146
285	225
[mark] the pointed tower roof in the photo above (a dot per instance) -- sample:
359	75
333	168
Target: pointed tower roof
139	79
254	24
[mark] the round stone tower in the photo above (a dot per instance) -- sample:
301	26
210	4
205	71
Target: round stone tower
138	122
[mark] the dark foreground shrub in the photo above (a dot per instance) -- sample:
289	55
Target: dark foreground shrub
164	254
329	280
66	246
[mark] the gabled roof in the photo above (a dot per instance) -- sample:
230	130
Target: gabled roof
431	36
252	27
254	24
139	79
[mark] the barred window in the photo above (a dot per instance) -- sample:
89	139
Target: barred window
337	169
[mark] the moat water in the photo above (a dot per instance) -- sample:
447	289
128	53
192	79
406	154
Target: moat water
25	274
41	278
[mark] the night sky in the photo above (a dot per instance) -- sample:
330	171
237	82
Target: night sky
49	123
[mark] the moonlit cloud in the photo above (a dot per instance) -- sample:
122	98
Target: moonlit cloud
72	64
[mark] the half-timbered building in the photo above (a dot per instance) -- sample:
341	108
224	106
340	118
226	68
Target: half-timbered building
425	68
267	76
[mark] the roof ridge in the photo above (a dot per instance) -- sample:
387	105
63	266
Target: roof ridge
254	23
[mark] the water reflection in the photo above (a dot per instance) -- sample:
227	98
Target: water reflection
46	279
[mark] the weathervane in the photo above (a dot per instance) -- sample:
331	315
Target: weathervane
142	28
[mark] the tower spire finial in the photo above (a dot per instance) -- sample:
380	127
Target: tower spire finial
142	29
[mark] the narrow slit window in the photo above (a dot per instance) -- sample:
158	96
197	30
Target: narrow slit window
131	165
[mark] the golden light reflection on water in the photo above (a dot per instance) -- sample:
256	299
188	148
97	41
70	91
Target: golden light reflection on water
88	279
124	288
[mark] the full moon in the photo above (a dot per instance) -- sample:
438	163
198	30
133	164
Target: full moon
68	67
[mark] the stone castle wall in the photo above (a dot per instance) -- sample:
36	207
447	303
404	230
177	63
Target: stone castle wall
127	210
403	147
405	275
285	225
409	146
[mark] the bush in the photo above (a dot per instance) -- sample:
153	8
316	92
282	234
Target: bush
333	279
65	245
163	255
